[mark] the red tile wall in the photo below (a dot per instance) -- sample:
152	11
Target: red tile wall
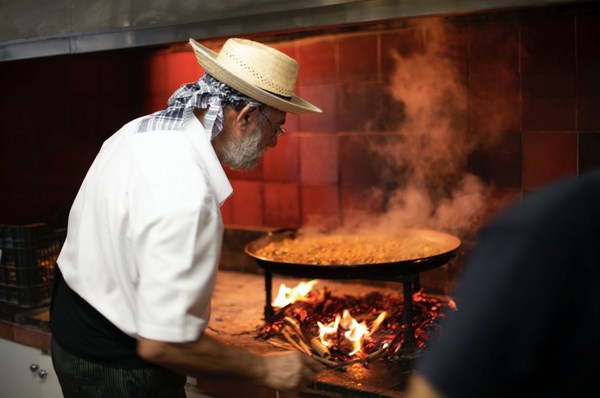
520	92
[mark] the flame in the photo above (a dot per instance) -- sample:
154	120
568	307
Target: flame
328	330
354	332
377	322
288	295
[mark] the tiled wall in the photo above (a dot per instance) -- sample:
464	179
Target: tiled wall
512	98
515	99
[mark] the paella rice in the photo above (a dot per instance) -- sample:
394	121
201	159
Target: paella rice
350	249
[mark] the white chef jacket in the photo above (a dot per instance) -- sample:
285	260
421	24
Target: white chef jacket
145	231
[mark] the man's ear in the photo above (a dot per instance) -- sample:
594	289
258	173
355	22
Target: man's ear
244	116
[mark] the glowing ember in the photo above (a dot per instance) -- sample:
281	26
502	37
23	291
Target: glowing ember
344	330
287	295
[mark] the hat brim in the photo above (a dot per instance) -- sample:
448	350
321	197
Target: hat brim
208	60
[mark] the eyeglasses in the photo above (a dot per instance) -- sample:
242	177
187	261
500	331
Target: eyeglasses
278	129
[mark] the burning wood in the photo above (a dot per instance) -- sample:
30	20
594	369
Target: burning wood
319	348
339	331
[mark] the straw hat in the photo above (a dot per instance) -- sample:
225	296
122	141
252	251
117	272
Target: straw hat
256	70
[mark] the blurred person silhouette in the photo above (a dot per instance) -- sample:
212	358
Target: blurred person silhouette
137	271
528	318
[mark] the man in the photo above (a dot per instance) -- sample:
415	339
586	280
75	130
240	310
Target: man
528	319
137	270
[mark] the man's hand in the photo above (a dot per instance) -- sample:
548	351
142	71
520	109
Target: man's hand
289	371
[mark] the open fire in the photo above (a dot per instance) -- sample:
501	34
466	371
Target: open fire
339	331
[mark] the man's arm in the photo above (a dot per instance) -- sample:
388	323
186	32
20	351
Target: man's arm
288	371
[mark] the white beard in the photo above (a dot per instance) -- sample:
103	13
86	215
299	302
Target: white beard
244	153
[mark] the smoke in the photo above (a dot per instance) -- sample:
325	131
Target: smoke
424	181
435	191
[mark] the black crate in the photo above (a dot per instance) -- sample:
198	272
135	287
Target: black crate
27	258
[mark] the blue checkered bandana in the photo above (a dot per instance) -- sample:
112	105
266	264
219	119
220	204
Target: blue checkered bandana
206	93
